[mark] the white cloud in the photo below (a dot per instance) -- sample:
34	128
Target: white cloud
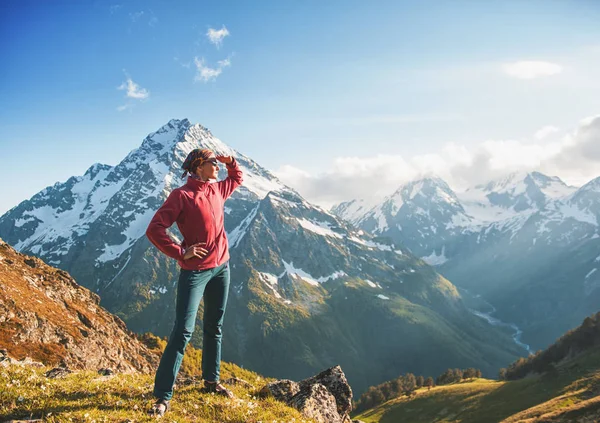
114	8
224	63
153	21
134	90
216	36
544	132
530	69
575	159
205	73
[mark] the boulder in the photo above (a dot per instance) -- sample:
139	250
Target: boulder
325	397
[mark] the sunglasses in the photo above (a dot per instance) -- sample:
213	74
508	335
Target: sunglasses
212	162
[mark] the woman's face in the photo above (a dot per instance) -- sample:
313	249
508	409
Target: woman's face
208	170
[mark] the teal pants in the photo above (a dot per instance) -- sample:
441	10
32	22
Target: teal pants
192	285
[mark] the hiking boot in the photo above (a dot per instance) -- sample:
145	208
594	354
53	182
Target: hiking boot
159	408
217	388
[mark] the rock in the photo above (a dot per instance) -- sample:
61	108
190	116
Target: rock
26	361
105	371
282	390
238	382
31	262
6	360
316	402
58	372
326	397
336	383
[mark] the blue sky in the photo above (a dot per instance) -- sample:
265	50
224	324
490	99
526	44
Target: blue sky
308	87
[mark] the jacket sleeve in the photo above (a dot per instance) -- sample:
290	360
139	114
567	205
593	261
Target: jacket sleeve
234	179
164	217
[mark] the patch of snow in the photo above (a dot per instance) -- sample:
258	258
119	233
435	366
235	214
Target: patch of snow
292	271
20	222
320	228
370	244
119	272
445	196
278	200
558	190
434	259
259	184
333	276
238	233
383	297
381	220
353	211
416	189
271	281
135	230
590	273
373	284
477	205
572	211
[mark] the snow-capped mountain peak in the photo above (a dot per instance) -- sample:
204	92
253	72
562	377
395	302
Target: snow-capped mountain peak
352	210
430	187
518	192
118	201
552	186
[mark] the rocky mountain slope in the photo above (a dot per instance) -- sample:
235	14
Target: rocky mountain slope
46	316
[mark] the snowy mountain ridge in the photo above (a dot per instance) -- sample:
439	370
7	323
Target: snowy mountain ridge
144	175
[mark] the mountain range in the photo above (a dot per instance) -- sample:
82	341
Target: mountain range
527	244
308	290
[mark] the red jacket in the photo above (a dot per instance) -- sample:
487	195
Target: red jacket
197	208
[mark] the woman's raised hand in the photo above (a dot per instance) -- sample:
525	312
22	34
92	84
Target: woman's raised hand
225	159
195	250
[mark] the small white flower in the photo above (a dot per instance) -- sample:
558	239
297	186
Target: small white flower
20	399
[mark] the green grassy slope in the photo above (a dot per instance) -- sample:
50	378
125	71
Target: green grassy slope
26	393
570	394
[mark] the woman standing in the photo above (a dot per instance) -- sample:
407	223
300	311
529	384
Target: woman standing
197	208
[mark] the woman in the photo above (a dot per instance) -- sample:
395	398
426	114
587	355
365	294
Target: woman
197	208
